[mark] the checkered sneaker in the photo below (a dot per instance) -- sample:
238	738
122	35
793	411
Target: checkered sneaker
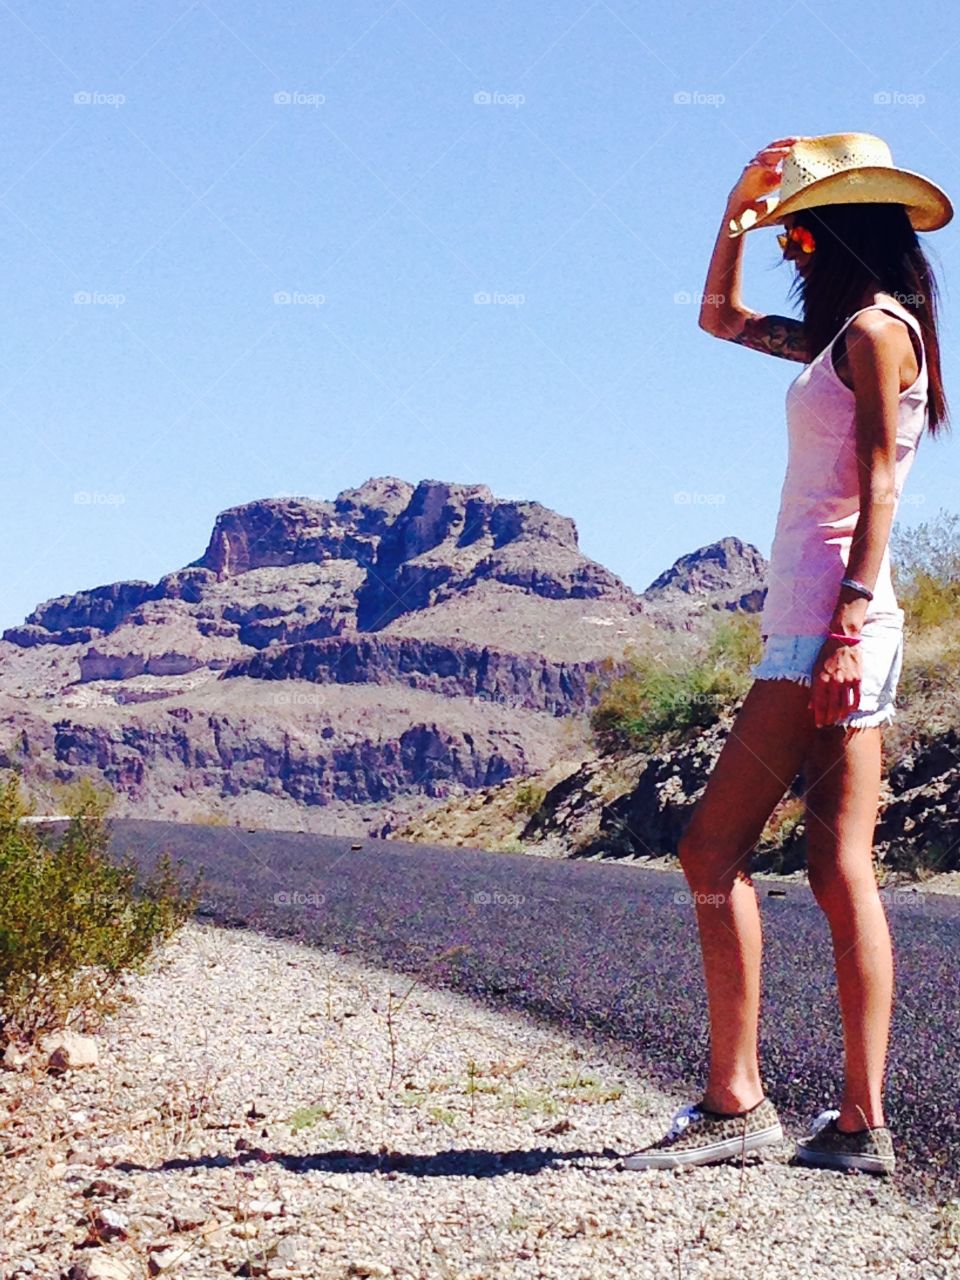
827	1147
698	1135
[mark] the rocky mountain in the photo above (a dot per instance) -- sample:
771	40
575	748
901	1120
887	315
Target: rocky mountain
324	663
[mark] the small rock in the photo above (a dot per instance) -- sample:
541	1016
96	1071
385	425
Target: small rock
367	1270
99	1266
15	1058
66	1050
218	1236
555	1130
112	1190
266	1208
108	1224
188	1218
163	1257
82	1156
22	1205
290	1247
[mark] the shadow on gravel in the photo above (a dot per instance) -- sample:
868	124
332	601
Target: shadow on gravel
602	952
476	1162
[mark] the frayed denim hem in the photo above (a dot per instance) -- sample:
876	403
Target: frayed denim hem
856	719
868	719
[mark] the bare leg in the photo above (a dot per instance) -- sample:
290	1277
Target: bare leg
843	787
761	756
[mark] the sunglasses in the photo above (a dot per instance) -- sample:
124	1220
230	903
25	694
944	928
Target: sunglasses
800	236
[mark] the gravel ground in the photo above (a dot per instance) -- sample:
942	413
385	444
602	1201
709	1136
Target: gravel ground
607	950
262	1107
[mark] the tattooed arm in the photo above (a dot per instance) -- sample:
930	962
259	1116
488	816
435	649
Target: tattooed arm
722	312
776	335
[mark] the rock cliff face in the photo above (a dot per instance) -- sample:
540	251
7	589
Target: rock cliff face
449	538
74	619
231	755
729	569
459	670
323	658
636	805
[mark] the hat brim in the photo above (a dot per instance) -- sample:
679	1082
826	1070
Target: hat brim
928	206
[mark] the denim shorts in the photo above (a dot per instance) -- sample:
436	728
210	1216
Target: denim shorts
881	658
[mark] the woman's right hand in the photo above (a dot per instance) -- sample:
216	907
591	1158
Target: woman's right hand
835	683
761	174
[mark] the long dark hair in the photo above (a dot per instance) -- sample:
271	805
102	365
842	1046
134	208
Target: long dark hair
856	244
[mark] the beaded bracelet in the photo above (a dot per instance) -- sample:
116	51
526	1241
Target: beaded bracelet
838	635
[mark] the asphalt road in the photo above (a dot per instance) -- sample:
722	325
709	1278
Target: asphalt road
607	949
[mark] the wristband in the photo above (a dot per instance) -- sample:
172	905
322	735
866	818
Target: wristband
838	635
859	587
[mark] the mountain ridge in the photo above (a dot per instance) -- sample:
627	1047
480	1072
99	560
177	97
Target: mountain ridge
481	610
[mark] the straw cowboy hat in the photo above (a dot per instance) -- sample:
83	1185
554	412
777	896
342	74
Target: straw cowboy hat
847	168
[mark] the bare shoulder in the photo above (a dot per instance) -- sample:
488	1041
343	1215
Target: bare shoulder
776	335
877	337
883	361
881	326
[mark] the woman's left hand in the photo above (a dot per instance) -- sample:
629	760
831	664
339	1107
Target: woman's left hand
835	683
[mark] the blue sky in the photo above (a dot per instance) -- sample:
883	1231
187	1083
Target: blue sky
170	173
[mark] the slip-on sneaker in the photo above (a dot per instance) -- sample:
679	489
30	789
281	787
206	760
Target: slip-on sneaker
828	1147
698	1135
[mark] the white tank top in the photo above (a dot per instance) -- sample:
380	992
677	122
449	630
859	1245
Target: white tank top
820	499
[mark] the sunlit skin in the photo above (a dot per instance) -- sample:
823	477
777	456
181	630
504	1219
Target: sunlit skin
775	735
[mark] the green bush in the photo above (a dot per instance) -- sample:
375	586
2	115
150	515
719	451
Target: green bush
656	702
527	798
918	859
72	920
927	673
926	571
211	818
775	850
930	602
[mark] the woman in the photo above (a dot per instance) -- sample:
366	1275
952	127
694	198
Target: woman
831	626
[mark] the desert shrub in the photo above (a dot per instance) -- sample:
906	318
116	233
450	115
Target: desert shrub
920	859
72	919
929	669
513	845
527	798
211	818
777	850
930	602
735	642
782	823
657	700
81	795
925	562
